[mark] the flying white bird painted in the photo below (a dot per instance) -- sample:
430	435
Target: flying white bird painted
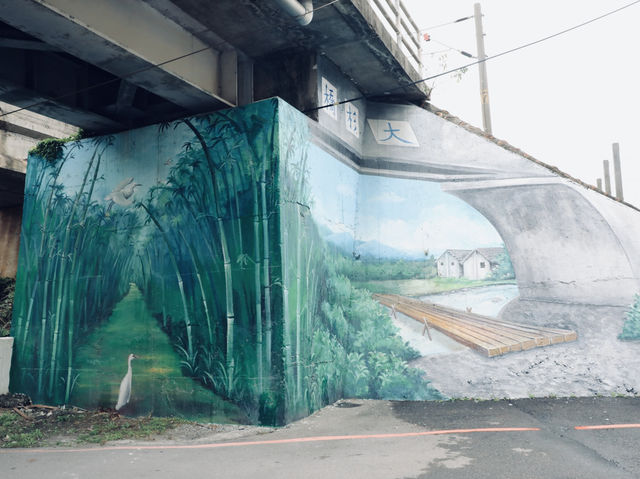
122	194
125	386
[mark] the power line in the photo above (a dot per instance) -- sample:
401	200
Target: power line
438	51
144	69
497	55
461	52
149	67
445	24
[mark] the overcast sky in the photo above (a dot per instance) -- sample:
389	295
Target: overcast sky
564	101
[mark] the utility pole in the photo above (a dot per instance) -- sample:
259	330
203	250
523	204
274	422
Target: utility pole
482	69
607	177
617	172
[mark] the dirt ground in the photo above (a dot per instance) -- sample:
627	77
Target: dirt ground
23	424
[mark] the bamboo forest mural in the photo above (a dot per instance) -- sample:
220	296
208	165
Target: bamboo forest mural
226	268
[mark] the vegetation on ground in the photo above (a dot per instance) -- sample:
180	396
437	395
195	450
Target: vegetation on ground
51	427
387	269
7	290
424	287
631	327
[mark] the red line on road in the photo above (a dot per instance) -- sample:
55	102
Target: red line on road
607	426
282	441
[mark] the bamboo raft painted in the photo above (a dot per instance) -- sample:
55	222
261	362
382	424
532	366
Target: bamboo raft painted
489	336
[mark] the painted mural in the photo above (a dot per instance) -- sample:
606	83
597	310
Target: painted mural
226	268
180	270
155	243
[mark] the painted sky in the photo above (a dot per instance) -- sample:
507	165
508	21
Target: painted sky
132	155
408	215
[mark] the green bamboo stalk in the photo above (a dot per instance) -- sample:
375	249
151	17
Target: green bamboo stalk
298	302
62	290
266	267
75	255
43	325
196	268
236	202
174	261
286	324
41	252
257	285
225	257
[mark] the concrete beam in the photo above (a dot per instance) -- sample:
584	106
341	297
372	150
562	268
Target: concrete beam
21	97
127	37
19	132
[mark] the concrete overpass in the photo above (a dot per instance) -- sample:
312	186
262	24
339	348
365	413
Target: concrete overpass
107	66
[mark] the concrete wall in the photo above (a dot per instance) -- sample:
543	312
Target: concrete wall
6	351
21	131
10	223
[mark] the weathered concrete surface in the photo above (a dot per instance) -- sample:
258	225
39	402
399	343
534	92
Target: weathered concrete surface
21	131
378	439
125	38
82	62
10	225
6	350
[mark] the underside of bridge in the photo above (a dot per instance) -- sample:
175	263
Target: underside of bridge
108	66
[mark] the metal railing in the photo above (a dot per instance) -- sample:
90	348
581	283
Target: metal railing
398	22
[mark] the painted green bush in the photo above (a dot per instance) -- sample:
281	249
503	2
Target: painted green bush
631	327
504	269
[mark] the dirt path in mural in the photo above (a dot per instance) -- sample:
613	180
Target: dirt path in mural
158	385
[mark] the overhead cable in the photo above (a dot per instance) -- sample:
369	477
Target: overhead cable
141	70
497	55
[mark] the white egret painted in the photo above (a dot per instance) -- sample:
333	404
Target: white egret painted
125	386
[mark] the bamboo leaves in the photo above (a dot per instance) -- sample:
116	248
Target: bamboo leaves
65	241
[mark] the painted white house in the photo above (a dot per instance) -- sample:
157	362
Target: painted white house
480	262
469	264
450	263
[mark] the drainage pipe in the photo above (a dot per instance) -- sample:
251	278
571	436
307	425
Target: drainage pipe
301	11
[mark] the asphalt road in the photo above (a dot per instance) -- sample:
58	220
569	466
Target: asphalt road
354	439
